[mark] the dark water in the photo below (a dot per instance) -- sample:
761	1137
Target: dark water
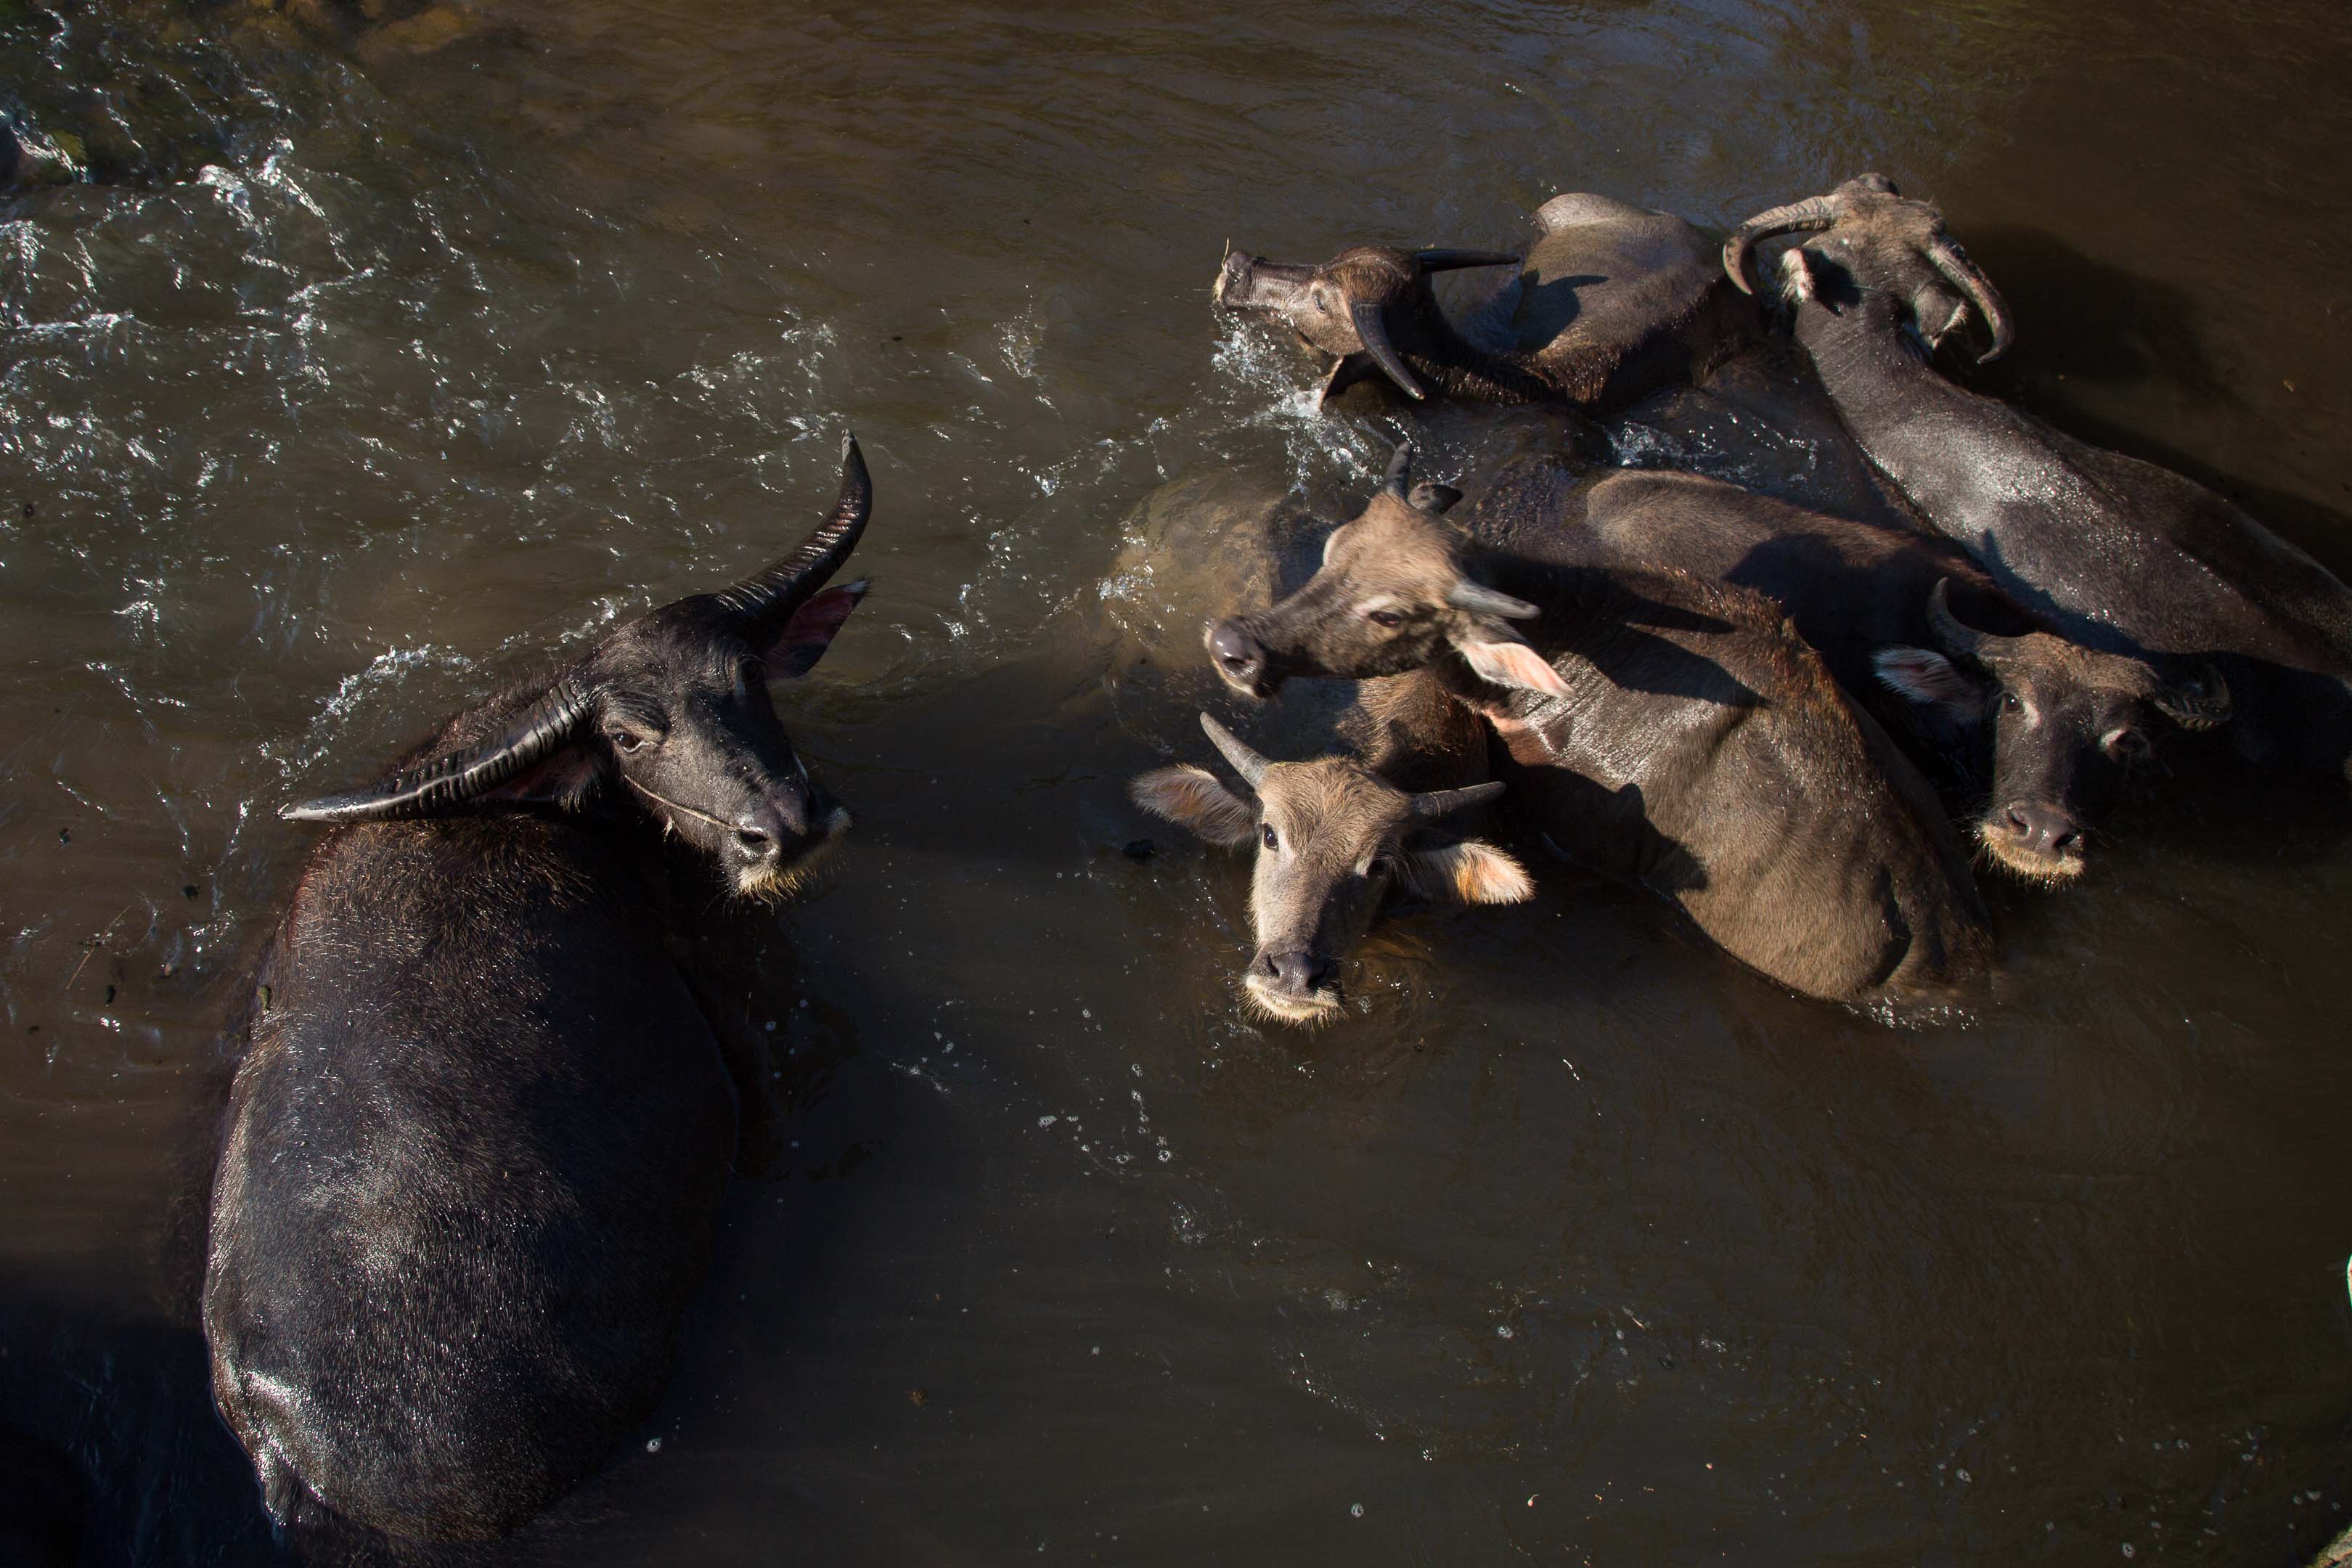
376	371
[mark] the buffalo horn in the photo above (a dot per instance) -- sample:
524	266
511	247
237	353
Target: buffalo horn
1813	212
1451	260
1398	480
1431	805
1481	600
1247	762
1374	334
2198	703
1966	642
1954	263
550	722
766	600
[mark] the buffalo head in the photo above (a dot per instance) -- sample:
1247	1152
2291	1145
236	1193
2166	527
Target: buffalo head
1393	595
1869	239
2064	723
669	718
1334	840
1356	307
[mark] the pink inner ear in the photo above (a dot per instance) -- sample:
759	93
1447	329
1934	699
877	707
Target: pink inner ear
811	630
1924	676
1514	664
561	779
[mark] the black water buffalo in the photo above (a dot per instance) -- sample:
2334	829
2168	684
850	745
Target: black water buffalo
1673	731
478	1140
1334	840
1613	302
2117	553
2035	728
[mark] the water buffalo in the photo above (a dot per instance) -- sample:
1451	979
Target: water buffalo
2037	727
2117	553
1673	731
1613	302
479	1137
1335	840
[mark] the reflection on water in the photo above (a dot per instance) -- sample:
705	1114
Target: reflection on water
360	375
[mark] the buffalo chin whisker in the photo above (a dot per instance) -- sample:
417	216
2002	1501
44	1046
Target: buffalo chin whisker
776	884
1305	1016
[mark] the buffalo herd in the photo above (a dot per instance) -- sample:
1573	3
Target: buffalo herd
486	1105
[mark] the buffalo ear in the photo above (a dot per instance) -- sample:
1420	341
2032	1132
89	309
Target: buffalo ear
1796	276
1504	657
1470	872
1928	679
810	632
561	779
1192	797
2198	702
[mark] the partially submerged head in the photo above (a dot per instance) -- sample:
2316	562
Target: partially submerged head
1394	593
1867	239
1334	841
670	717
2064	724
1355	307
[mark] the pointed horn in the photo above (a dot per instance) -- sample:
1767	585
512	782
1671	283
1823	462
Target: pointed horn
1966	276
1434	804
1965	641
550	722
1398	480
766	600
1481	600
1374	334
1454	261
1247	762
1813	212
2198	702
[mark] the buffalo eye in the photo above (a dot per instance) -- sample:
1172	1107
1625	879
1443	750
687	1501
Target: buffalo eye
627	742
2009	703
1266	833
1378	865
1388	618
2129	744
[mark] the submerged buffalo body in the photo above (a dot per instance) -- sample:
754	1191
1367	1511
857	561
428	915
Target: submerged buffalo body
1613	302
2037	729
479	1133
2117	553
1669	730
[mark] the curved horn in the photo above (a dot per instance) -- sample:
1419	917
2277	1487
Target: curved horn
1964	640
1374	334
550	722
2198	702
1481	600
1247	762
1813	212
1966	276
1431	805
766	600
1398	480
1452	260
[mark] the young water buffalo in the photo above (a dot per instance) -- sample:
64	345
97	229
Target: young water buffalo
1673	731
478	1142
2118	554
1614	301
1335	840
2044	727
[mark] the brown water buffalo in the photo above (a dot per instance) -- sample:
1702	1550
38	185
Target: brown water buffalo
1674	732
2036	728
1335	840
479	1133
1613	302
2117	553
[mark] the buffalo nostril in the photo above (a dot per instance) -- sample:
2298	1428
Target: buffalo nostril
1300	974
1232	648
2014	820
753	841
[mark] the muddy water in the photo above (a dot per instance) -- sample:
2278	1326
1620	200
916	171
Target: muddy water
377	372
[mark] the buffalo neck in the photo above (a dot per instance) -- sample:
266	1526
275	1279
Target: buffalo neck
1908	419
1443	355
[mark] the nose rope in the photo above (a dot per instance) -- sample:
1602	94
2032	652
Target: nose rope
688	810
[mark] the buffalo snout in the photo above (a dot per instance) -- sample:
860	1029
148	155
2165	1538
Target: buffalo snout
1294	985
1240	659
1247	282
2036	838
